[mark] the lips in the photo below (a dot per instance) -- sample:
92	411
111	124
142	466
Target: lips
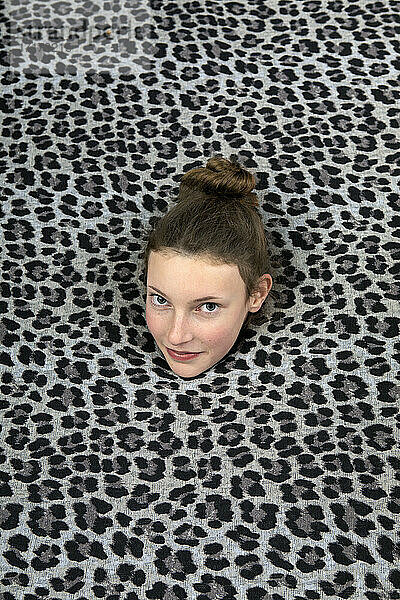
182	353
182	357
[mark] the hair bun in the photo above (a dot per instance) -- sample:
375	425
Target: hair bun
218	164
222	177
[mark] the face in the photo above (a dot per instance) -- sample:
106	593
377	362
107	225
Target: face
194	306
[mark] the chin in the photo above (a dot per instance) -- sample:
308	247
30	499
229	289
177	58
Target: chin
182	369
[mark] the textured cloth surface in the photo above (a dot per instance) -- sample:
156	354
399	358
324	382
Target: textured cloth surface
275	474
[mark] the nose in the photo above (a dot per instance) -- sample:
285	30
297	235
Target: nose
179	330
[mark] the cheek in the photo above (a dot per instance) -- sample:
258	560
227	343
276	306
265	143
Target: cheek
220	336
213	334
153	323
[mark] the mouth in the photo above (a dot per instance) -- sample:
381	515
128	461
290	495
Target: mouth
186	352
182	355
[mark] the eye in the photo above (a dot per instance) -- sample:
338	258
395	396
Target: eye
156	296
212	304
156	304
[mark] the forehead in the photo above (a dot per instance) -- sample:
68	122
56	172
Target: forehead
192	273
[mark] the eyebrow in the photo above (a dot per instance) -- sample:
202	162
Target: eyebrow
196	300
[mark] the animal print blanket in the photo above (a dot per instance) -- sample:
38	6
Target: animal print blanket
275	474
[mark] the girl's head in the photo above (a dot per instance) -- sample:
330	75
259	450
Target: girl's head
207	267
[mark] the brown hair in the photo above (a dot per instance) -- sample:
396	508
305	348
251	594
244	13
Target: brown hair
216	219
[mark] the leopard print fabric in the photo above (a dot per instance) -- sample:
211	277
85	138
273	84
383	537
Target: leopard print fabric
275	474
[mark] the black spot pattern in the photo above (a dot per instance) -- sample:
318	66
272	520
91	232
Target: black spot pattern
275	474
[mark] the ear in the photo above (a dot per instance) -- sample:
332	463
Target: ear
264	286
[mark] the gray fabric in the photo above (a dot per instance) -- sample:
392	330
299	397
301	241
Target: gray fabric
273	475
